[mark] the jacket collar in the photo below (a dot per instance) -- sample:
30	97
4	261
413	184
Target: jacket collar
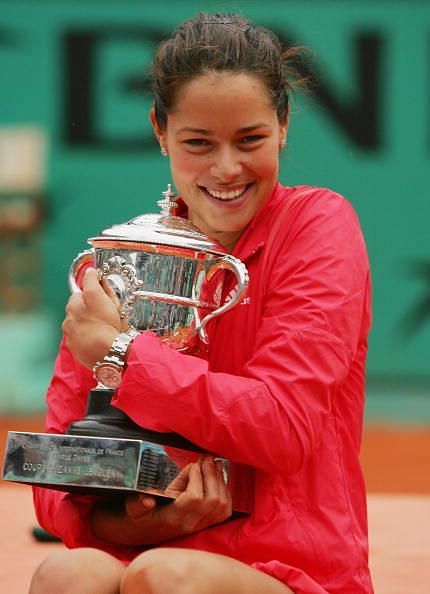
255	234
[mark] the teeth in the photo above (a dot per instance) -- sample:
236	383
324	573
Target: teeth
226	195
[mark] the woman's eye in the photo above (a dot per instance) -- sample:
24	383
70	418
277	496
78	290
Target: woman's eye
197	142
251	139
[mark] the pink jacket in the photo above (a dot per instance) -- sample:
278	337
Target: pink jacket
282	389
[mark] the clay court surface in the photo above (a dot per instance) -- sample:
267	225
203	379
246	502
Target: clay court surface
396	462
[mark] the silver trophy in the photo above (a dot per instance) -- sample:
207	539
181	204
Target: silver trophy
169	279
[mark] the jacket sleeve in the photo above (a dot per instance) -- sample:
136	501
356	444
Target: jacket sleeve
66	515
313	318
61	513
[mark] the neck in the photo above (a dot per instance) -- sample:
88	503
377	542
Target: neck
227	239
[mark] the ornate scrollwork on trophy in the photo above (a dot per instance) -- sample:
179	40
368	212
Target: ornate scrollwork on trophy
117	266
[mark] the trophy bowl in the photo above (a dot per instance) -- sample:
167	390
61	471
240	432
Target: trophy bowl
167	275
169	279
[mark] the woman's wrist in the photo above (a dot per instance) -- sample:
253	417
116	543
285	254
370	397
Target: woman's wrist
110	522
109	370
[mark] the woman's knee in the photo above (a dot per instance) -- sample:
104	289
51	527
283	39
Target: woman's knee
78	571
186	571
160	571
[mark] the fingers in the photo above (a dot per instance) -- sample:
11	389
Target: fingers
75	308
107	287
180	482
92	322
217	494
92	291
211	486
98	294
92	285
93	302
192	496
90	279
137	506
206	500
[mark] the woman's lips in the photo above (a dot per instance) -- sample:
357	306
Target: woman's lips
227	197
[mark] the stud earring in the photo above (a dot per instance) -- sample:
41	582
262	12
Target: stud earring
283	143
163	151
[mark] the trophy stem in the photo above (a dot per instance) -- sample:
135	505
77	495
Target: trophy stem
104	420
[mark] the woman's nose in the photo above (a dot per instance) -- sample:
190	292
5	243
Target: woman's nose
227	165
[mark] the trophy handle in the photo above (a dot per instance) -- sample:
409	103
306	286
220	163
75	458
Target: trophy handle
83	259
237	267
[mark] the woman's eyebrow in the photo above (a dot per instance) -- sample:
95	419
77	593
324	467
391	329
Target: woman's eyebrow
253	127
197	131
212	133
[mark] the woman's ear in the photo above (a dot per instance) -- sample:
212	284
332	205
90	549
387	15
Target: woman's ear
158	131
283	130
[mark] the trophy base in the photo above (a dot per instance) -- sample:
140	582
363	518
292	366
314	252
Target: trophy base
130	460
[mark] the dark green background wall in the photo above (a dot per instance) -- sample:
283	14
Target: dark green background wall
78	70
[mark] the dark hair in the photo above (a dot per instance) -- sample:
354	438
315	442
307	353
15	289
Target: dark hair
222	43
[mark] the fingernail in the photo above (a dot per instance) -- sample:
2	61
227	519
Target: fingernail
146	501
220	468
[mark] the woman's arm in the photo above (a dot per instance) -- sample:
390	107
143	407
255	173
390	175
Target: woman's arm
84	520
271	414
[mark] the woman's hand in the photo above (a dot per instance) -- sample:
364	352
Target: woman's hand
92	320
204	502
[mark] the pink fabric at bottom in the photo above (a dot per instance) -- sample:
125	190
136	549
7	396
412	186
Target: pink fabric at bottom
294	578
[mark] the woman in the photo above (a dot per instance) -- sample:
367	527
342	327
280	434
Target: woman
282	386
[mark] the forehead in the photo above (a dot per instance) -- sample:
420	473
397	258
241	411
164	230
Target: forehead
220	93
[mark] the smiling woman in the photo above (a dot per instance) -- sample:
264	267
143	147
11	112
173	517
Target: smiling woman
281	387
